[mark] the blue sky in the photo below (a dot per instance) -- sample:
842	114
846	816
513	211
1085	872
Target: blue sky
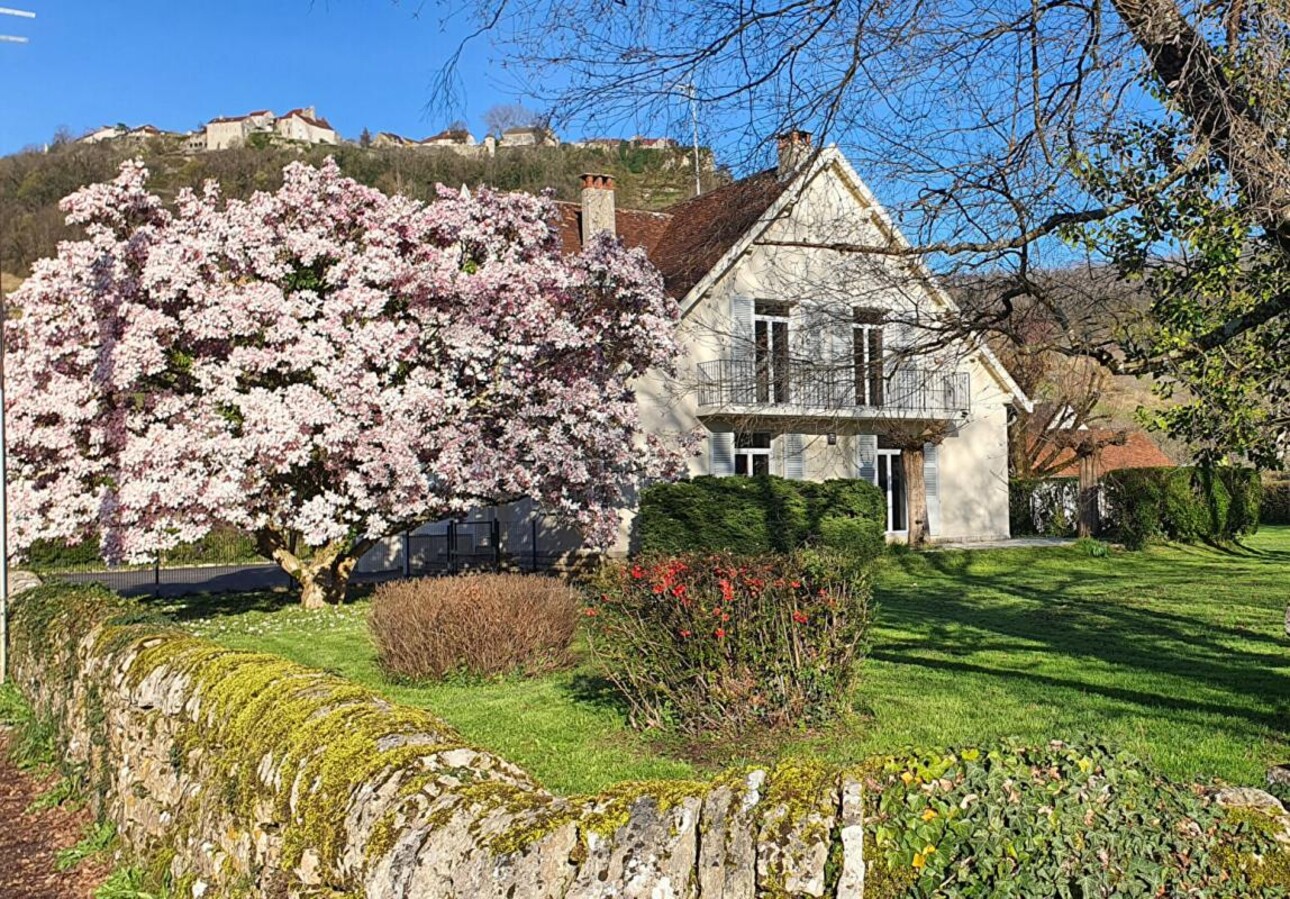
177	63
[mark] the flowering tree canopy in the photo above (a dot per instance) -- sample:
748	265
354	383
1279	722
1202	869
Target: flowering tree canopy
323	366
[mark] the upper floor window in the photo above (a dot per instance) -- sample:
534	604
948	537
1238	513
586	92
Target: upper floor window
770	335
866	344
752	453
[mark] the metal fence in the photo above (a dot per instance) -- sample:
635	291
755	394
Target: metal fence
230	565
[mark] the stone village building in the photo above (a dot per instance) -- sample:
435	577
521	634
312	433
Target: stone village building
802	361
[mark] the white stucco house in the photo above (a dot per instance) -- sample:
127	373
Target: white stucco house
808	362
305	125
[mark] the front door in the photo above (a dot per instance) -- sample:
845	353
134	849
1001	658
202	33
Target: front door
891	481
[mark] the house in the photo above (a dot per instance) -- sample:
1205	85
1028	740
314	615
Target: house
107	132
305	125
654	143
450	137
232	131
805	362
390	139
528	136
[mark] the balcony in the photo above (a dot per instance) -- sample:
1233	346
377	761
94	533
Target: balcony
739	386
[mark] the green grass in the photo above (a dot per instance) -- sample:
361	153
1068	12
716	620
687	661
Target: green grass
1176	653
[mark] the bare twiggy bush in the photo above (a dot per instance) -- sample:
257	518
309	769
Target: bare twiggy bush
481	625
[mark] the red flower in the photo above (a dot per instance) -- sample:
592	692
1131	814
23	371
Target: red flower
590	613
638	572
797	583
800	617
727	590
720	632
678	591
685	635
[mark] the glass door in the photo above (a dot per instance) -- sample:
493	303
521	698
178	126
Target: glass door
891	481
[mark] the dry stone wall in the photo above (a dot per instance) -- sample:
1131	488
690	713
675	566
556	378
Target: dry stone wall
240	774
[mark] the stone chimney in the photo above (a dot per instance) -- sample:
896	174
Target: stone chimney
794	149
597	206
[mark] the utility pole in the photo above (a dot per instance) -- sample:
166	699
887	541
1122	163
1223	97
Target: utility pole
687	90
4	468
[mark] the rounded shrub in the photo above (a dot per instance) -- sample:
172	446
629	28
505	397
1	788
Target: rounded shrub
478	624
1275	507
719	642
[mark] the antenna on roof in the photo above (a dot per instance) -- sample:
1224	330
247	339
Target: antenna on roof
4	471
688	91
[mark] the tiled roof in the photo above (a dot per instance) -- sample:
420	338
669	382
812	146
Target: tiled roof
705	227
686	240
635	227
1137	451
301	114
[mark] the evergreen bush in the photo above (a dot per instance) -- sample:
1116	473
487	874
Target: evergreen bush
1184	504
761	514
1276	503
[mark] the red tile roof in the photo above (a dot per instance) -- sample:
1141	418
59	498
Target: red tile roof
635	227
686	240
301	114
705	227
1137	451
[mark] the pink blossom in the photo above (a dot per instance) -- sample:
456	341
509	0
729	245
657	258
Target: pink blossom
324	360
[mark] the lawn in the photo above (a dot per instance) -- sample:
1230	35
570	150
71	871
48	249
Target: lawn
1176	653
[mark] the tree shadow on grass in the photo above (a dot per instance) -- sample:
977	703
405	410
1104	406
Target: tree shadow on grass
950	612
595	690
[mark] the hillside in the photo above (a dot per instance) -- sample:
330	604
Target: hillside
32	183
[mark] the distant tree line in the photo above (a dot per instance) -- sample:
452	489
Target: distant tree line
33	182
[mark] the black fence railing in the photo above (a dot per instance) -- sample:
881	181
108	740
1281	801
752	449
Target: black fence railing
811	385
228	563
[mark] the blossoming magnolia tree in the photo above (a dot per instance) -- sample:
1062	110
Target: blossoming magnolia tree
323	366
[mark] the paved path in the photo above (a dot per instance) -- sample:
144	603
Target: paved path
1011	543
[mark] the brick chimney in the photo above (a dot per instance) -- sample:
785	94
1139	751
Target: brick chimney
597	205
794	149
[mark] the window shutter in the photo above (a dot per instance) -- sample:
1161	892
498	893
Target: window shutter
794	457
741	380
721	454
867	457
932	482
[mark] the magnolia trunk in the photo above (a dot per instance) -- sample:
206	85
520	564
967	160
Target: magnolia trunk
323	575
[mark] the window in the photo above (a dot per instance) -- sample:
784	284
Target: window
866	344
770	334
752	454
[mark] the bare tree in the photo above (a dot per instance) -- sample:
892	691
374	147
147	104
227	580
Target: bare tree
1008	137
505	116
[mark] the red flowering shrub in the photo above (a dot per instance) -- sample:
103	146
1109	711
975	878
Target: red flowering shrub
708	642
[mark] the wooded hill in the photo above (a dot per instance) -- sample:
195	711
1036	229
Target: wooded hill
32	182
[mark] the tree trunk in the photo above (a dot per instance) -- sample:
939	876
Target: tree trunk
324	575
1089	519
915	493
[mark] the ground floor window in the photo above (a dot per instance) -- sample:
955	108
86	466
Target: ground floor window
752	453
891	481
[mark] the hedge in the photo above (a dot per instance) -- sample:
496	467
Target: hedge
1046	507
761	514
1214	505
1276	503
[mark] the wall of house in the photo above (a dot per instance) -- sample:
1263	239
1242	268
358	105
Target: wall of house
221	135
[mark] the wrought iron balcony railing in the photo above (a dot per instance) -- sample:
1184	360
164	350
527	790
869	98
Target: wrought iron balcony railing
800	385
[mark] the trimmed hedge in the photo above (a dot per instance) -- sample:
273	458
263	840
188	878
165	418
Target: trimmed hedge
1184	504
1275	508
762	514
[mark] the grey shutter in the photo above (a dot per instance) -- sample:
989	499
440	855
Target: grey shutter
842	357
794	457
932	482
867	457
721	454
740	378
